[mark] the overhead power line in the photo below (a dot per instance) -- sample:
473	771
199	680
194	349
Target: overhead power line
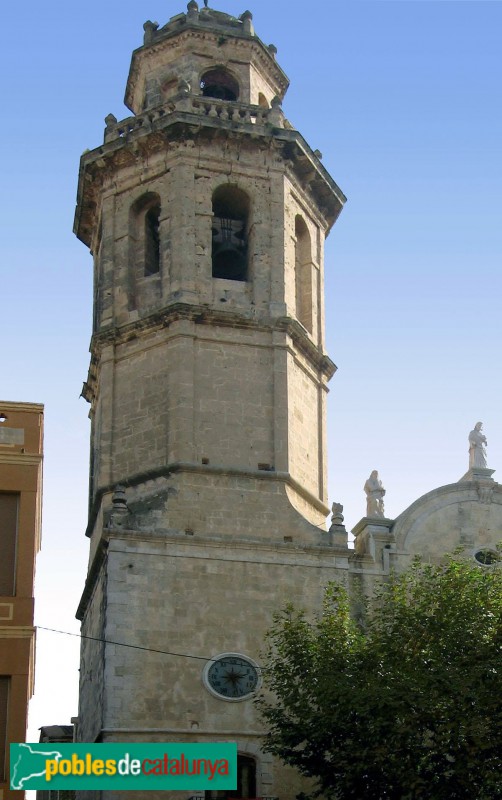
124	644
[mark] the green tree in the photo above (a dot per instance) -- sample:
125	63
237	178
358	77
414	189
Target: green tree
407	706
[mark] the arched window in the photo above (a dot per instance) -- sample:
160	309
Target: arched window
262	100
230	233
303	273
219	83
144	252
145	216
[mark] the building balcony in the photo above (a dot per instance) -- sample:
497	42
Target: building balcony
193	105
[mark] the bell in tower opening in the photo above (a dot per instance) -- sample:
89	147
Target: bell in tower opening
229	233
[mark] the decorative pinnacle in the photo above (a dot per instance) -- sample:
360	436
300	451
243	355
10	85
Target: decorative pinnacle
336	514
149	28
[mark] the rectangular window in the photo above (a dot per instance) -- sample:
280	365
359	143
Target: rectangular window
4	704
9	505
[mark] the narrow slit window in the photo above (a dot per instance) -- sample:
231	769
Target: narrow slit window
152	241
303	274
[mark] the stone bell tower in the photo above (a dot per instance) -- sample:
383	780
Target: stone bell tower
206	214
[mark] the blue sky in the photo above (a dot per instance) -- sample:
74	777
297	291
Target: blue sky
403	100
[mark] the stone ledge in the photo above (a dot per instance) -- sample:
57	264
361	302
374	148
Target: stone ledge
377	525
478	474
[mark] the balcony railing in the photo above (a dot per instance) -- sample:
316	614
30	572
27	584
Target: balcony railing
224	110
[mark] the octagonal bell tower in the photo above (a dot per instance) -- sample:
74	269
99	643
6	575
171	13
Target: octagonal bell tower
206	214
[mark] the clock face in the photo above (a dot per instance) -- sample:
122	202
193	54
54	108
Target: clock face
231	676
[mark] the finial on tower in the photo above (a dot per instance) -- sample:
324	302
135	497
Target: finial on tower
150	29
247	23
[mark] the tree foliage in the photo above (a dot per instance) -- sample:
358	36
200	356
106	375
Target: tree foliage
408	706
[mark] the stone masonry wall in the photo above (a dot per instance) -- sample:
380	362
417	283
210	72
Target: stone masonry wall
199	598
92	696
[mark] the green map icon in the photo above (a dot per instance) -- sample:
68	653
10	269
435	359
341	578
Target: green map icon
28	763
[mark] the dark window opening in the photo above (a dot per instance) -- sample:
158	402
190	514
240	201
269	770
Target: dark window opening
220	84
152	241
246	781
9	505
229	233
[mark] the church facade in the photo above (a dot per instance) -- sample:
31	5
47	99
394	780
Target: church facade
206	214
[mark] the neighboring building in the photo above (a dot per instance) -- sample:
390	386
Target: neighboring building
206	213
21	440
52	734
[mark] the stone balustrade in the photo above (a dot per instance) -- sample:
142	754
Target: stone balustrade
237	112
195	104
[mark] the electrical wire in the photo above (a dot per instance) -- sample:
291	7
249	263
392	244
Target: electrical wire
124	644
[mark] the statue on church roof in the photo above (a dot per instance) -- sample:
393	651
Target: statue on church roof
374	496
477	447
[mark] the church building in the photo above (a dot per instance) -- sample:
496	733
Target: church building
206	214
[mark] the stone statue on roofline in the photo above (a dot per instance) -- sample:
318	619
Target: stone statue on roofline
374	496
477	447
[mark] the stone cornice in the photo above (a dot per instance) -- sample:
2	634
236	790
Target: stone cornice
201	315
445	495
325	554
291	552
171	127
167	470
18	459
381	524
235	734
481	491
17	632
298	334
11	405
